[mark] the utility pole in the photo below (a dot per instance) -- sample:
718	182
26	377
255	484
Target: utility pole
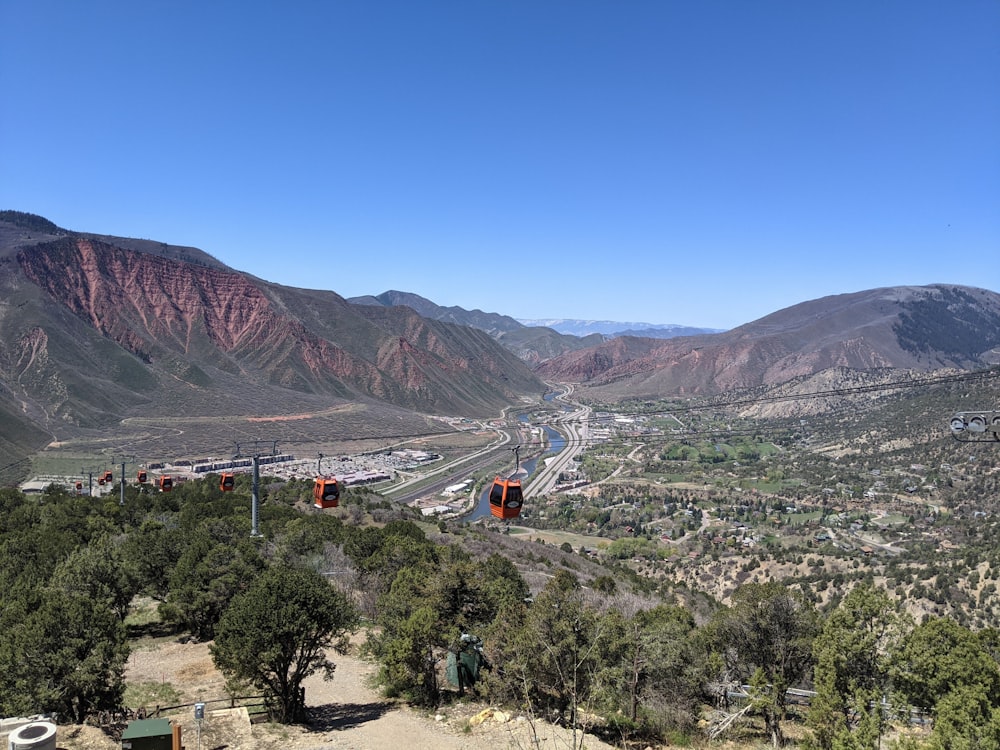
254	450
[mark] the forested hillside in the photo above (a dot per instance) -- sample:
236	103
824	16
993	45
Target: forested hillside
570	640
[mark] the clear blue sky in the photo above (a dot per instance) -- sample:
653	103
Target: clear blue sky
700	162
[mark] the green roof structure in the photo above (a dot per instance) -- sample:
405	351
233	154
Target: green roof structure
148	734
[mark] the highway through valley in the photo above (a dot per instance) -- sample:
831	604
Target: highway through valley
573	427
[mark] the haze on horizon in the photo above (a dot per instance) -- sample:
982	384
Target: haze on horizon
699	164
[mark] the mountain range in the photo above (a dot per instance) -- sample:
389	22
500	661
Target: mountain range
96	329
922	328
500	325
613	328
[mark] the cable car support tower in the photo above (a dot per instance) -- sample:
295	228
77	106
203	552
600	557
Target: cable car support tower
123	460
254	449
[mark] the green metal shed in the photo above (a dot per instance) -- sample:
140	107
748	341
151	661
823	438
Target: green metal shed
148	734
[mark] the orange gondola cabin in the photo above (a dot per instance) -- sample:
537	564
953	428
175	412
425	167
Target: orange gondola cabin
227	482
141	477
326	492
108	478
506	498
166	483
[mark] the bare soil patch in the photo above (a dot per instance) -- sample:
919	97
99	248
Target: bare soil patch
345	713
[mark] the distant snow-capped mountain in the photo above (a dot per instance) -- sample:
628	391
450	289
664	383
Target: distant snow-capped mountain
613	328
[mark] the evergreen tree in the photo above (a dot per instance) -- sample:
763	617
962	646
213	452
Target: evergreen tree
648	677
98	571
765	639
851	675
430	604
548	651
150	552
277	633
66	656
946	669
412	639
217	564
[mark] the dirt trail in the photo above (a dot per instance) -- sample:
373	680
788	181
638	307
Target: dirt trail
345	714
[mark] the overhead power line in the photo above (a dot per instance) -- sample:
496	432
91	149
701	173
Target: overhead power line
13	464
717	402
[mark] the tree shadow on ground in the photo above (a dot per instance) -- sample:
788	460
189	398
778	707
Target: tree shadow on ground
153	629
339	716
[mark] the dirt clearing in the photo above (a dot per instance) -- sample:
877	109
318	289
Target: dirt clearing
345	713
